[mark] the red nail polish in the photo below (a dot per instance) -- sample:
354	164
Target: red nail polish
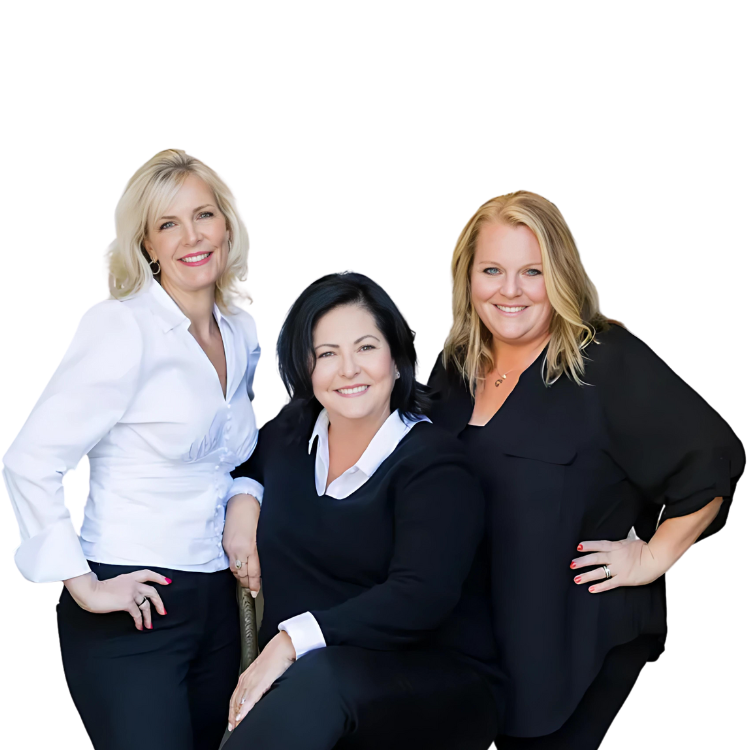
150	627
168	580
577	579
591	589
572	565
580	548
165	611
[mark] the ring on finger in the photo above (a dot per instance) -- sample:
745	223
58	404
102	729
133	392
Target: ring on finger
238	564
607	571
140	604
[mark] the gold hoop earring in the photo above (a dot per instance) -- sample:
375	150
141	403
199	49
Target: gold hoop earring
151	266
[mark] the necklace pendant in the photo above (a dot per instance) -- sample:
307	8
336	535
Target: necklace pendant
499	381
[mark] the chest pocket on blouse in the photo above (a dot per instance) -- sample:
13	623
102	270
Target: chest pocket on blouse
533	478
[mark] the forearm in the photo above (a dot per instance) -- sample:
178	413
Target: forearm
673	537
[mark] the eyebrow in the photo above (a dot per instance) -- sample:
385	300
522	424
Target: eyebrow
493	263
361	338
195	211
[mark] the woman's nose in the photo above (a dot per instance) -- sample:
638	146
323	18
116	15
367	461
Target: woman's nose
190	235
510	287
349	366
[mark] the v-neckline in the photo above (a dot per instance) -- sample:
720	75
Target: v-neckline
224	393
542	354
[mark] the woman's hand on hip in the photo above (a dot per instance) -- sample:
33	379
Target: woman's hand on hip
255	681
126	593
630	563
239	541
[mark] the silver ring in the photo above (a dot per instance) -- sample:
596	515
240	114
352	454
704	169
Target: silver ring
605	568
238	564
143	602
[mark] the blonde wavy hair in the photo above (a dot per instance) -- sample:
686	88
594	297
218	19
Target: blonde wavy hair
147	195
575	318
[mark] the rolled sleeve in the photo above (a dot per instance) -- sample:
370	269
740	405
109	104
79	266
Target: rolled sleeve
669	442
86	397
246	486
305	633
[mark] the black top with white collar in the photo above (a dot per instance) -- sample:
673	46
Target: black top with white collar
394	565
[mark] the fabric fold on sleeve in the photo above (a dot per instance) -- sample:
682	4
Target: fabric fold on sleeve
246	486
669	442
88	394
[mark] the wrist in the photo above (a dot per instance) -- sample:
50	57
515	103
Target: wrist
82	587
286	645
660	555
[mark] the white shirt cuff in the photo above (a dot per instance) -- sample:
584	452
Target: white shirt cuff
305	633
246	486
54	554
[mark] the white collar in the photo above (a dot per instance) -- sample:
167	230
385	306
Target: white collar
385	440
170	312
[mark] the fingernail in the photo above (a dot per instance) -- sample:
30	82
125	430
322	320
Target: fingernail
577	579
150	627
229	727
572	565
591	589
165	611
253	594
168	580
580	548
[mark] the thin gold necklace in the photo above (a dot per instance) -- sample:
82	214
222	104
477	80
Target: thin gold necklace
502	378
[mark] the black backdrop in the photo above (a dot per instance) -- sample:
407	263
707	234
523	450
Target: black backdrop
657	263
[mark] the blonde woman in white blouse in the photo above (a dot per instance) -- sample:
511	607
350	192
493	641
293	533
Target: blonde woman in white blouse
156	388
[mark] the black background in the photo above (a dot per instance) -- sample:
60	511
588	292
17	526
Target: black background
654	256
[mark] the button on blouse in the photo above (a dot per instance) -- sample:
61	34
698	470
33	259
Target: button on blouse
135	392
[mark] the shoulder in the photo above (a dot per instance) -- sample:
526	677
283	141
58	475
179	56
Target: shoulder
617	351
246	322
110	322
428	445
293	425
108	341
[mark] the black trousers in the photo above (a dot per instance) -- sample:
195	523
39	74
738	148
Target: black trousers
355	699
589	723
166	688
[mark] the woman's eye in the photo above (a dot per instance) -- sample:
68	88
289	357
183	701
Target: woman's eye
205	214
492	271
166	225
324	354
365	347
534	272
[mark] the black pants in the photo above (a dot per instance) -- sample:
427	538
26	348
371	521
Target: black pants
354	699
586	727
166	688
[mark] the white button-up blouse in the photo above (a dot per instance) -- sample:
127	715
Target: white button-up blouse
135	392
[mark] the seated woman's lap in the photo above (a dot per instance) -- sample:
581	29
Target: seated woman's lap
355	699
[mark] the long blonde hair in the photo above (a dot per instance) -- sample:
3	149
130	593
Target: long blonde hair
148	194
576	317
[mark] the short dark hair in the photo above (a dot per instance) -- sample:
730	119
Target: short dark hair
295	345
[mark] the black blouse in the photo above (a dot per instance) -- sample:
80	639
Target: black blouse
563	464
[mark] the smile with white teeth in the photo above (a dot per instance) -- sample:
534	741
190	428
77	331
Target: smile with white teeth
195	258
350	391
504	308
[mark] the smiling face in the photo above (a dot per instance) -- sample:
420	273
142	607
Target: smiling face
507	285
354	372
191	239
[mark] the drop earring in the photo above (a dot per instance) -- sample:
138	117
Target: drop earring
151	266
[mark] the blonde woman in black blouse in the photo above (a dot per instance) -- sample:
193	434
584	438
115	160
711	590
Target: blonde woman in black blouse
579	433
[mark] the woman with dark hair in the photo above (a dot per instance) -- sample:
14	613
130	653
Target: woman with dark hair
372	634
